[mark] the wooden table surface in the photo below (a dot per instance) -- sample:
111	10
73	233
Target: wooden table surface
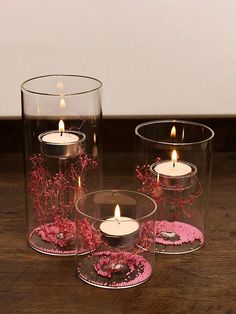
201	282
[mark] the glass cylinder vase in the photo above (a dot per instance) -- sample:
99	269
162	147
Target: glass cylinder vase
62	120
115	238
173	166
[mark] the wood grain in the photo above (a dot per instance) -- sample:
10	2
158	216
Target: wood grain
201	282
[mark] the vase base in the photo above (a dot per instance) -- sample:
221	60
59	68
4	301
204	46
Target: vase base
177	238
41	246
121	278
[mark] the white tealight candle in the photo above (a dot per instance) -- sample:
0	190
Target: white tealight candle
166	168
61	143
123	226
120	231
173	168
60	138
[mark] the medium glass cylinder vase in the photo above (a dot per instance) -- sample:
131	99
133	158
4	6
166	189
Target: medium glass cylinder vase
115	238
62	119
173	166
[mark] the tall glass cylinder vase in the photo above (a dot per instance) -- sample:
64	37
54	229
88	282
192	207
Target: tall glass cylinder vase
62	119
173	166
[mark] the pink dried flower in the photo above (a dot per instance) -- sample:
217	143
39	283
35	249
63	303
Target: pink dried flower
53	194
147	235
60	233
88	237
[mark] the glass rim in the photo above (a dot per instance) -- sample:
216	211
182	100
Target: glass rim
174	121
23	88
129	191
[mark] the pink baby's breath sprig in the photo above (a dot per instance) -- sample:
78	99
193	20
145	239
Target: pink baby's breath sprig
146	179
89	238
79	166
47	192
147	235
52	194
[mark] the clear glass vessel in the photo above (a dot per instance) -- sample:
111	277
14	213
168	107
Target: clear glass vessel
173	166
62	119
115	238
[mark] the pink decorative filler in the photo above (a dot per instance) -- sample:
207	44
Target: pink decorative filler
175	203
186	233
115	269
60	232
53	197
89	237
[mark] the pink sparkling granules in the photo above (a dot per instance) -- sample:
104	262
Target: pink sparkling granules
114	269
57	237
186	233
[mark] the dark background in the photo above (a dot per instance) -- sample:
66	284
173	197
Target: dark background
118	133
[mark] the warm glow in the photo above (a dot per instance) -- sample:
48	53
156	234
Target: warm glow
61	126
174	157
173	132
79	182
62	103
117	212
94	137
60	85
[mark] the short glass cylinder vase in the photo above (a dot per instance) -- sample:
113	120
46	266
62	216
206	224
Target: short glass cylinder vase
173	166
115	238
62	120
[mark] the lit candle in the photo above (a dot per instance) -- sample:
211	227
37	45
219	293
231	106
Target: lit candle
60	136
173	168
61	143
120	231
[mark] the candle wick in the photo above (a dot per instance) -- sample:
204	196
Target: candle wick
117	220
61	133
173	164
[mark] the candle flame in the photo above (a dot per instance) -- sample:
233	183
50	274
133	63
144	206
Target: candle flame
173	132
79	182
117	212
61	126
174	157
62	103
94	137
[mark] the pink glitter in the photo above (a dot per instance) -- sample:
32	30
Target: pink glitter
115	258
133	262
186	232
